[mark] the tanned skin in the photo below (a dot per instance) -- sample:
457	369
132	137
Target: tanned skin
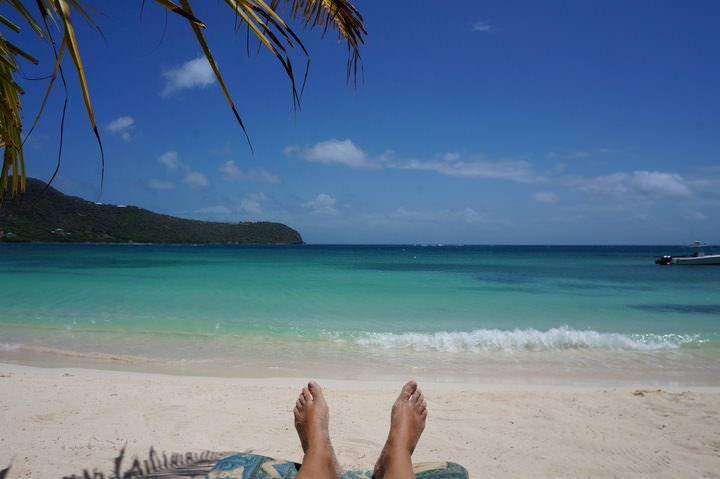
407	422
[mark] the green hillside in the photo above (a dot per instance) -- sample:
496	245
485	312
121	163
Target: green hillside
57	217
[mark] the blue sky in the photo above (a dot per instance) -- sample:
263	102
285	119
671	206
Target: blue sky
490	122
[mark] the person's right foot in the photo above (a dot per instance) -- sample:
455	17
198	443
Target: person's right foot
407	422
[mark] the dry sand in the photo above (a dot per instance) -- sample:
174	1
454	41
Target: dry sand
58	422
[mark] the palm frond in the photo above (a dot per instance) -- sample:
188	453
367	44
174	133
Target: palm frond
10	128
262	20
9	24
176	9
261	17
53	76
9	47
211	60
339	15
63	11
57	70
27	16
13	165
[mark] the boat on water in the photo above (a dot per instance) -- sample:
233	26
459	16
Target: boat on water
698	258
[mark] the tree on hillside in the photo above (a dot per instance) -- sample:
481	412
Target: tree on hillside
53	18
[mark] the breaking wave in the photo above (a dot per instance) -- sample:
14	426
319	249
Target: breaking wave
555	339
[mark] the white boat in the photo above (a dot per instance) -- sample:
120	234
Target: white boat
698	258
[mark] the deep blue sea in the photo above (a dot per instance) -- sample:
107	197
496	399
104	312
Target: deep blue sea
500	314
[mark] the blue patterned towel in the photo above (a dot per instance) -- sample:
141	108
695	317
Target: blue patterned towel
252	466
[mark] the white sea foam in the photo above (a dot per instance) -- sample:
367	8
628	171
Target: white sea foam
10	346
523	340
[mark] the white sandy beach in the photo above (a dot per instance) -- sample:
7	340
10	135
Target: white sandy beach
58	422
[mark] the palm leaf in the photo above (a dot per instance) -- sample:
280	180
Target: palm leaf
252	14
13	159
176	9
56	69
9	24
27	16
78	6
10	48
72	44
338	15
6	77
211	60
261	18
10	119
63	11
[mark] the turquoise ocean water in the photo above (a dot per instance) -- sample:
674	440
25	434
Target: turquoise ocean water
499	314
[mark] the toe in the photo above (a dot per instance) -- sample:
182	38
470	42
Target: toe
306	395
409	389
314	388
417	397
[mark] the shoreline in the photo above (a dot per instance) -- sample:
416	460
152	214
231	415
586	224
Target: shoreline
59	421
337	361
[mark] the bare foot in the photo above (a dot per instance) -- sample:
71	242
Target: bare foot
407	422
312	417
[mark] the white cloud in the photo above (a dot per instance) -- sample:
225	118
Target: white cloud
193	73
342	152
613	184
322	204
556	169
520	171
231	171
259	174
122	126
483	26
639	183
469	215
257	196
160	184
465	215
546	197
196	179
170	160
346	153
662	184
250	206
214	210
568	155
252	202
